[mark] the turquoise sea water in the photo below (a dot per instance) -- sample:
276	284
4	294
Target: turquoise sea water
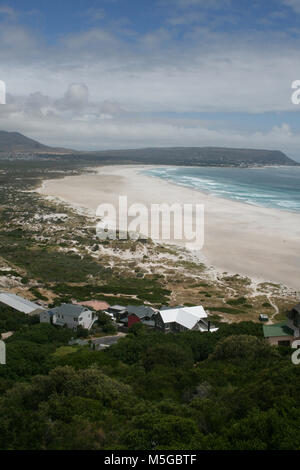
277	187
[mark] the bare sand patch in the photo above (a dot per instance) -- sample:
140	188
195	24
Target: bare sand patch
259	242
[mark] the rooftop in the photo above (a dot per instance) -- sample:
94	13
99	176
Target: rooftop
120	308
263	317
186	316
149	323
280	329
294	310
97	305
18	303
68	310
141	311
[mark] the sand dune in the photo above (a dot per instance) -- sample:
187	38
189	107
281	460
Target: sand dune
239	238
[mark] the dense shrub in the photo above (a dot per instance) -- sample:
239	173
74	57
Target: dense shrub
243	347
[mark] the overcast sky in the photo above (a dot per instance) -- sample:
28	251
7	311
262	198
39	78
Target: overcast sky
133	73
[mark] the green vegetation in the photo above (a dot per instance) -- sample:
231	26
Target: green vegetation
65	350
105	324
37	294
10	320
228	390
239	301
46	264
197	156
146	289
53	258
231	311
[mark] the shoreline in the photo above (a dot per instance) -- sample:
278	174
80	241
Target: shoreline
208	193
254	241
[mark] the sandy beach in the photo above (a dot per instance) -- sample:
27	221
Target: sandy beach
239	238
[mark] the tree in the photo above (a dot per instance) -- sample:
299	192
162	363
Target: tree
158	431
169	355
243	347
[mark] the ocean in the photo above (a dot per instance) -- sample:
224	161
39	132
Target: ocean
276	187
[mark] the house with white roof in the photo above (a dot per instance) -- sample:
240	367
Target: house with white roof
20	304
180	319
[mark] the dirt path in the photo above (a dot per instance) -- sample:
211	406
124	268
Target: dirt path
275	308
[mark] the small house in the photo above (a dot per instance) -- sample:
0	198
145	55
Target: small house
293	320
119	312
263	317
70	316
141	314
283	334
279	334
175	320
20	304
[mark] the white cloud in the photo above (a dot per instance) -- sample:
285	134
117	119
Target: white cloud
95	14
86	92
8	12
294	4
155	76
73	105
76	98
206	4
37	117
187	18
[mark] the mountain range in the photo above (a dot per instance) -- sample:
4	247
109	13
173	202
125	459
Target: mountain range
15	144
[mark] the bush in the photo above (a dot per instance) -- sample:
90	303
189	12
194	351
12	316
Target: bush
168	355
242	347
82	332
11	320
109	328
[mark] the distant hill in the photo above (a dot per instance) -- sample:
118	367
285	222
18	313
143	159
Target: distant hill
16	143
197	156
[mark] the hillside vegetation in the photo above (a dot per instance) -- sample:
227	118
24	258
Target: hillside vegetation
16	145
226	390
229	390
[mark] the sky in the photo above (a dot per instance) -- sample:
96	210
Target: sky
107	74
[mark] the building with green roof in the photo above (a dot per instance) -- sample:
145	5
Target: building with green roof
279	335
